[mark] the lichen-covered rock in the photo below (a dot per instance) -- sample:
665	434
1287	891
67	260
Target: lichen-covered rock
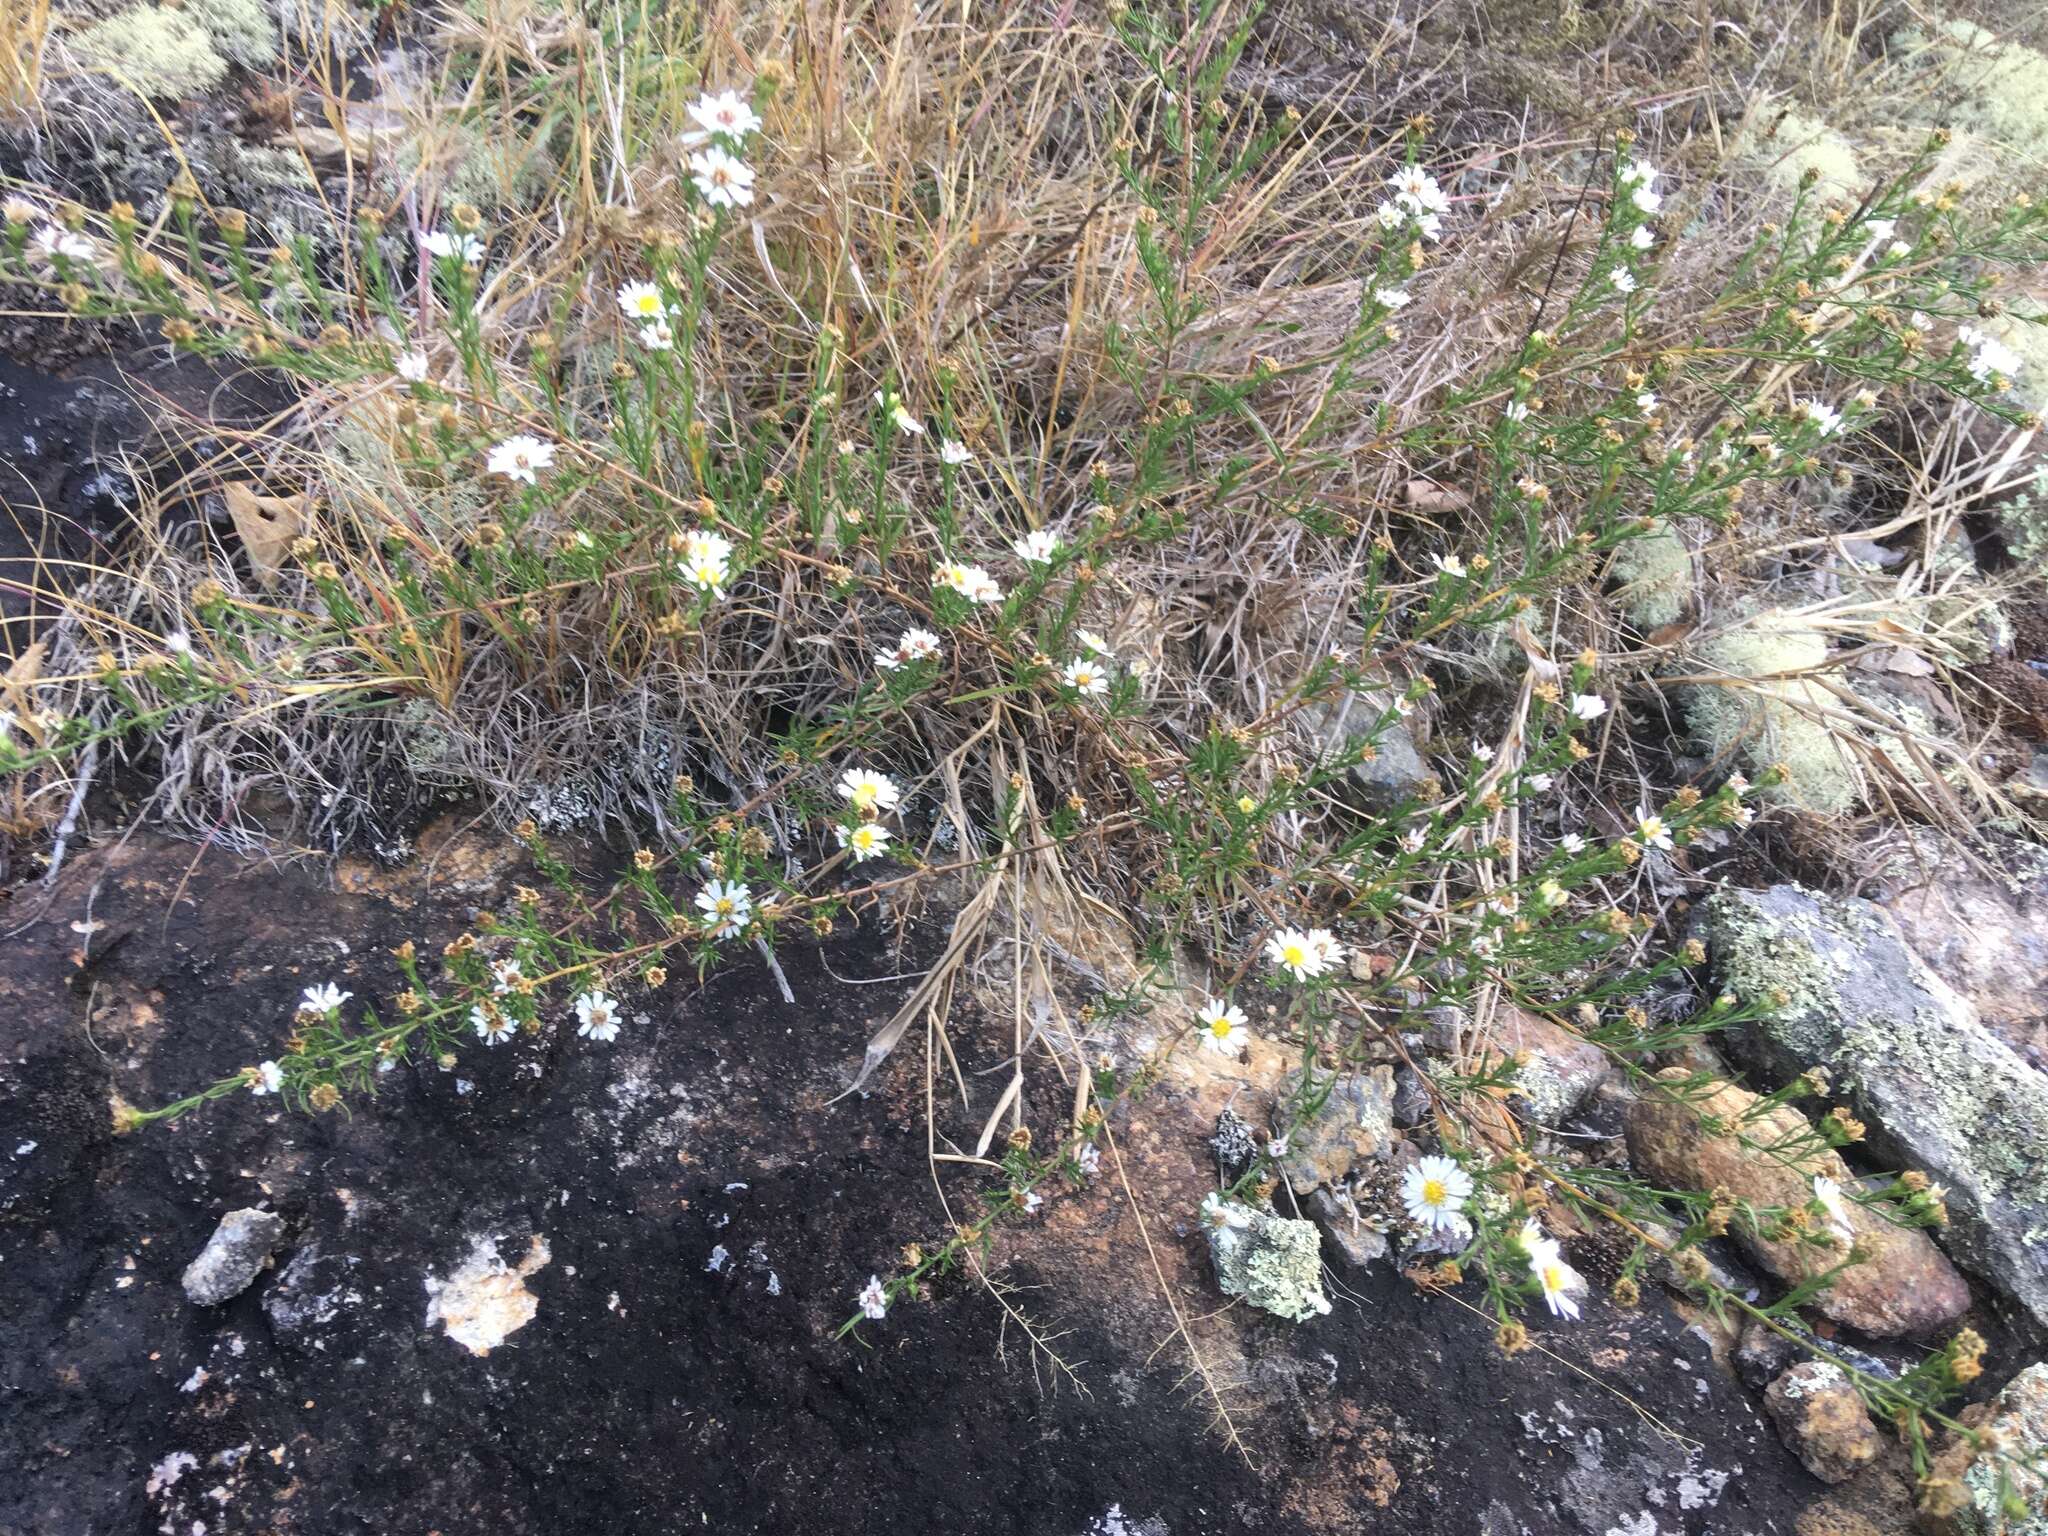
1354	1121
234	1256
1559	1070
1907	1287
1939	1091
1271	1261
2019	1414
1822	1420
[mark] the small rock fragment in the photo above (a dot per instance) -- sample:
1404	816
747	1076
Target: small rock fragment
1357	1242
233	1257
1234	1145
1822	1420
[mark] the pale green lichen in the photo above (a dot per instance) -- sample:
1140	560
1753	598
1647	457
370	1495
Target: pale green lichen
1272	1262
2023	520
1764	715
1791	147
155	51
243	31
1995	87
1653	573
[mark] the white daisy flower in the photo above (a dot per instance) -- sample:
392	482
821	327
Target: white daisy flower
1327	949
324	998
411	366
874	1300
1829	1194
1392	298
1558	1280
706	561
1646	402
178	643
1482	751
504	976
1219	1212
869	792
642	301
1092	642
1551	894
722	181
1516	410
1417	191
1295	952
492	1027
658	336
1624	280
970	581
1588	706
597	1017
726	112
726	905
1224	1027
1825	418
440	243
1449	565
1641	237
865	840
520	458
1389	215
1086	677
1572	843
1652	831
1434	1190
1638	173
899	413
954	452
913	645
52	242
1898	250
1539	782
1646	200
1038	546
268	1078
1881	229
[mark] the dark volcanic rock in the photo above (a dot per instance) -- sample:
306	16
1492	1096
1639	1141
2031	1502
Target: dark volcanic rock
600	1289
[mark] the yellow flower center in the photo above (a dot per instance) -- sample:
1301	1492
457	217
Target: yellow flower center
725	906
1553	1277
1293	954
1220	1028
1433	1192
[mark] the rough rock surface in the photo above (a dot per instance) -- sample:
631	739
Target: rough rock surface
1908	1287
2020	1414
1357	1243
651	1391
1396	771
1354	1122
1940	1092
1984	934
233	1257
1823	1421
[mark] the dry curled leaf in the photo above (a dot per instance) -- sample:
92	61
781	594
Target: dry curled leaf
267	524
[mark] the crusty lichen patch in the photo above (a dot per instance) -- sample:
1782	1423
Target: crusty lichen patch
1791	146
485	1301
1272	1262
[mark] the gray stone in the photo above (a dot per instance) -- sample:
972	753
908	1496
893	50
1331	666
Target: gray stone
1354	1122
1396	770
1940	1092
1559	1070
1355	1241
1411	1098
1272	1262
1233	1145
233	1257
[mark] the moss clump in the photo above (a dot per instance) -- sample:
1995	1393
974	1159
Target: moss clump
156	51
1654	576
1763	717
1792	146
